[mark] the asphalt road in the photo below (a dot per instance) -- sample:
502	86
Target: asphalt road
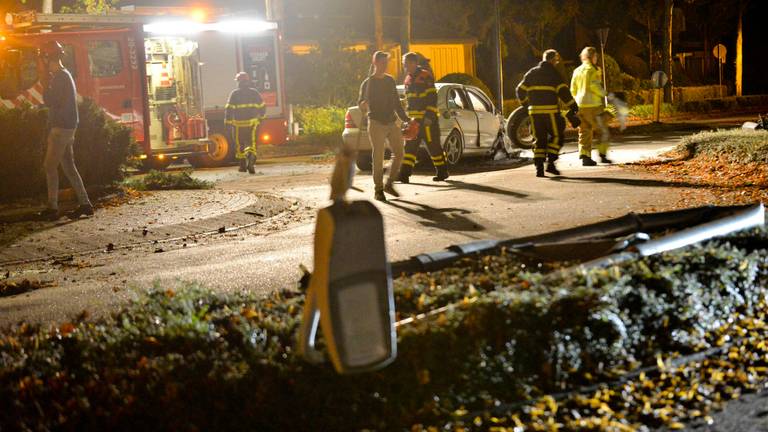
482	200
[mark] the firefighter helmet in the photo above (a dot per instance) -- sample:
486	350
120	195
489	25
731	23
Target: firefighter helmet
242	76
51	49
411	130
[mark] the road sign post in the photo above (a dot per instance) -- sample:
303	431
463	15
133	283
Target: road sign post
658	79
603	34
720	53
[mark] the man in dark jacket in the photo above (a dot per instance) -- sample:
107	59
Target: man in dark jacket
421	95
243	113
61	99
541	90
378	96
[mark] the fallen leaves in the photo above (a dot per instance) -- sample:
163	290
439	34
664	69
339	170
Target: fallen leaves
10	288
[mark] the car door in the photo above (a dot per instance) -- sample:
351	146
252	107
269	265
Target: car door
460	109
488	122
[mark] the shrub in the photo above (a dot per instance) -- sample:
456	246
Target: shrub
320	120
645	111
193	360
102	148
466	79
161	180
22	143
736	146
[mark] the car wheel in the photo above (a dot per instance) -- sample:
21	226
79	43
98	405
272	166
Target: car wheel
520	130
221	153
364	161
454	147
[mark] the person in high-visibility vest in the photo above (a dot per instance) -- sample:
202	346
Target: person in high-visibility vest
540	90
587	88
242	114
421	96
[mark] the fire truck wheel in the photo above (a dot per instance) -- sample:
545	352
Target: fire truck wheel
221	153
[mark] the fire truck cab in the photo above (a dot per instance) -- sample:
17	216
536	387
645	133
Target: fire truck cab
150	83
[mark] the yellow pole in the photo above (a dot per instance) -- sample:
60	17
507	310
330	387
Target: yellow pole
657	105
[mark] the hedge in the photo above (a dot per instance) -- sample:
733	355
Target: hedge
189	359
320	120
102	149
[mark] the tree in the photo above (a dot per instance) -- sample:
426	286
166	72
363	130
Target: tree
89	6
537	27
666	53
648	13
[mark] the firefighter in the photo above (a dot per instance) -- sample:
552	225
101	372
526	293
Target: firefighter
540	90
421	96
243	113
61	99
587	88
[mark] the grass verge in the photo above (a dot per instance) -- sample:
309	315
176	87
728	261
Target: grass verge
188	359
161	180
725	167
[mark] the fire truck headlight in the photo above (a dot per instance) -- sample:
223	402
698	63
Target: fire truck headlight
175	27
244	26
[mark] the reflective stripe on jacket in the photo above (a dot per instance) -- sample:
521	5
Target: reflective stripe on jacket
541	89
421	94
587	86
244	108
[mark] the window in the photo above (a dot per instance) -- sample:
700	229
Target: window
455	99
69	60
28	71
479	102
104	58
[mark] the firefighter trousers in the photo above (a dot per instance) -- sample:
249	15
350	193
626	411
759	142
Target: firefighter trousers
430	135
549	129
592	121
246	140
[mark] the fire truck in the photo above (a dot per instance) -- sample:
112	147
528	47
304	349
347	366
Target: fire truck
160	78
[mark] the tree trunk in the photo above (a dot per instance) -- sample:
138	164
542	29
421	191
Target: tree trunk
378	25
740	52
405	28
669	6
650	45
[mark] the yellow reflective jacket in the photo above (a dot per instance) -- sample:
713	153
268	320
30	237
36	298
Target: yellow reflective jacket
587	86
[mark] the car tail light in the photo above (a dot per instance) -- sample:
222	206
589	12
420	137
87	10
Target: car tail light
349	122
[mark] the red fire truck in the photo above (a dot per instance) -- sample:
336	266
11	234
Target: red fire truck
161	78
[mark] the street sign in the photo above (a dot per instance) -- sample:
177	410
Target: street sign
659	79
719	51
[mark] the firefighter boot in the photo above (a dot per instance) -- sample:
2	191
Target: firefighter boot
379	196
251	163
242	167
552	169
587	161
405	174
604	159
442	173
539	167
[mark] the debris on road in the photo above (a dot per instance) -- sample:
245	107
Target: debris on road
9	288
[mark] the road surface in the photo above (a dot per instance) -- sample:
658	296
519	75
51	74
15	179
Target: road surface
482	200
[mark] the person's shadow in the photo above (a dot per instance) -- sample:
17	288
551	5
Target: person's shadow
452	219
